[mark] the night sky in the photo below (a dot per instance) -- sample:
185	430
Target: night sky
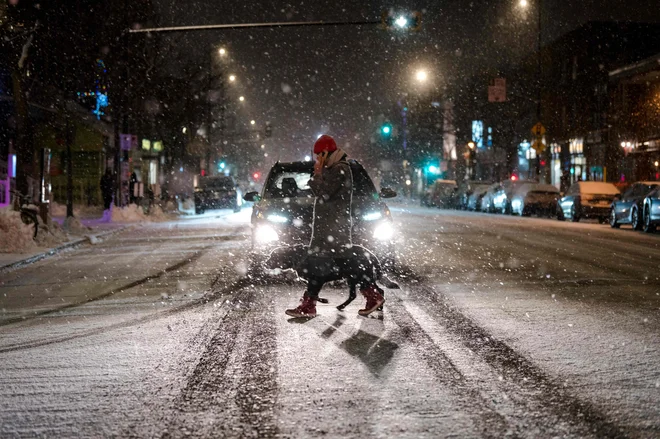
339	79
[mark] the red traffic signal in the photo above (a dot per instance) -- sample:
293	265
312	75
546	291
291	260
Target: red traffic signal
256	175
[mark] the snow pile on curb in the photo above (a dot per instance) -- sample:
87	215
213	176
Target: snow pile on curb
74	226
57	209
50	235
130	213
156	214
15	237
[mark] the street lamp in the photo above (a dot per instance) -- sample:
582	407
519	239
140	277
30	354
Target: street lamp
422	76
232	78
252	122
222	51
241	98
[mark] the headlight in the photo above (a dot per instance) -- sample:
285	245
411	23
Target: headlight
277	218
516	204
265	234
372	216
384	232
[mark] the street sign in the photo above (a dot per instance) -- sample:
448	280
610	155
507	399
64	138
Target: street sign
497	92
538	130
128	141
539	146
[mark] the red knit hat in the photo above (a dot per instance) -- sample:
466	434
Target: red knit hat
324	143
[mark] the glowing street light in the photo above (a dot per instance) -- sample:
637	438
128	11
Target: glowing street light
252	122
232	78
523	3
401	22
422	75
222	51
241	99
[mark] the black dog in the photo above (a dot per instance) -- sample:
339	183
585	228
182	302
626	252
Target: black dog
358	266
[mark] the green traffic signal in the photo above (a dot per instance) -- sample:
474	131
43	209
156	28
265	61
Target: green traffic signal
386	129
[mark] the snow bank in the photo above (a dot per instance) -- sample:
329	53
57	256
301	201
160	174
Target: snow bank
50	235
130	213
156	214
15	237
74	226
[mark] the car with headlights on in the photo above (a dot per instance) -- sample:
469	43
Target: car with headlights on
282	213
535	199
651	211
628	209
466	189
587	199
216	192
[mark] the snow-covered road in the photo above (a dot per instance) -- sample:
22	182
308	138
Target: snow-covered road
503	326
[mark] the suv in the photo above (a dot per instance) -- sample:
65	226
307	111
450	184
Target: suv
283	212
217	192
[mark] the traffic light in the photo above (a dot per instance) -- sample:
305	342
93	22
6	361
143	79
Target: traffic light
402	21
256	175
386	130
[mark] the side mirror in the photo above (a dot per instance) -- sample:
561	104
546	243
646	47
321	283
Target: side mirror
387	193
252	196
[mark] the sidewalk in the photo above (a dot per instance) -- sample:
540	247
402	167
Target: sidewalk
98	230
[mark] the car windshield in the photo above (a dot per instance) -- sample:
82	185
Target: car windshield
288	184
217	183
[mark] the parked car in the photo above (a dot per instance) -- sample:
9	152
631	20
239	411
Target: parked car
442	194
502	196
282	214
217	192
474	200
587	199
465	189
651	210
629	208
487	200
535	199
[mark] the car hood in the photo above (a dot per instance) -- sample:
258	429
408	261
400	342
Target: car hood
303	207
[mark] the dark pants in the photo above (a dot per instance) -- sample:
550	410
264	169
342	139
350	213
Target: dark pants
107	201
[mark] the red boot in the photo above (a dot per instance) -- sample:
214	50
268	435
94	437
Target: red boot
374	300
307	308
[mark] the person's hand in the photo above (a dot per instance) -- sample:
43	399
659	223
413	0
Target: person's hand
318	165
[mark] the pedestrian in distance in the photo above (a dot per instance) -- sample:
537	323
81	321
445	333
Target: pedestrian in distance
331	246
107	188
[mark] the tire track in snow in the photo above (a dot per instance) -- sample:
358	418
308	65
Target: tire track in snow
536	397
233	389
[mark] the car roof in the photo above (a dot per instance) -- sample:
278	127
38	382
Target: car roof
536	187
597	187
306	166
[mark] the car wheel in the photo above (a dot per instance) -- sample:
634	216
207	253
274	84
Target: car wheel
575	215
636	221
525	211
648	227
198	210
613	221
560	213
